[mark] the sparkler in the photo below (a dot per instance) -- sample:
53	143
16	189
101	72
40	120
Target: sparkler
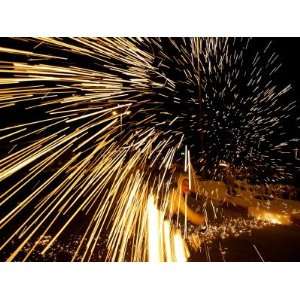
93	126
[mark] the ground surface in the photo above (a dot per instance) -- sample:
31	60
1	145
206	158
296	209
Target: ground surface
233	235
272	243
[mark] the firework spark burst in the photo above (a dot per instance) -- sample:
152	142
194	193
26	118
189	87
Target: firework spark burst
96	129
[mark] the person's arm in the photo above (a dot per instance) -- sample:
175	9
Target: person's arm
192	216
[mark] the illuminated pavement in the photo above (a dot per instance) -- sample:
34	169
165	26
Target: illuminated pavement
273	243
267	242
270	242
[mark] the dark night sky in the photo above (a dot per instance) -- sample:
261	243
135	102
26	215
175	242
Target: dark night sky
289	51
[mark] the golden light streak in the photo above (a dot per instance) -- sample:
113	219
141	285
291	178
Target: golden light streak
164	243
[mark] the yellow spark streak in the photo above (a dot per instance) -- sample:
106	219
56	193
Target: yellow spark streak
189	169
21	52
163	243
154	251
180	248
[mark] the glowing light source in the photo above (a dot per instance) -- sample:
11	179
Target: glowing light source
164	243
272	217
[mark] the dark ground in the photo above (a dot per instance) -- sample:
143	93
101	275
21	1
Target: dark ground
275	243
